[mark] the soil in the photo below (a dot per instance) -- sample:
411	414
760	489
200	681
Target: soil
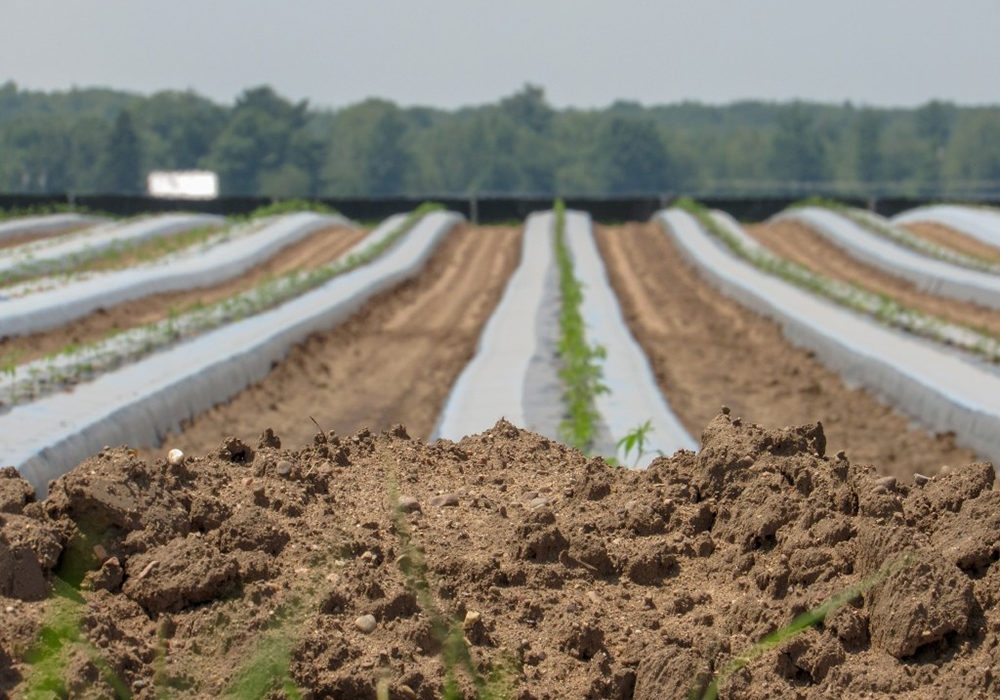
794	241
318	249
343	563
395	361
706	350
950	238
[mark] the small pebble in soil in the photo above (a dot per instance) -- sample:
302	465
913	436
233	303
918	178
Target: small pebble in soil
409	504
175	456
283	468
471	618
886	482
538	502
445	499
920	479
365	623
725	410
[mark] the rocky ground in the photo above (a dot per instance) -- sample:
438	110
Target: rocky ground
507	561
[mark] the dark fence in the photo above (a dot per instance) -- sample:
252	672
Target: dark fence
485	209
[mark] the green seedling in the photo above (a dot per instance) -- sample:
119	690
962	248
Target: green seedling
636	439
801	624
581	367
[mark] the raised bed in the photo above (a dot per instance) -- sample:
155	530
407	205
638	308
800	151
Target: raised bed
929	383
42	225
978	222
53	307
495	383
632	397
138	403
934	276
62	252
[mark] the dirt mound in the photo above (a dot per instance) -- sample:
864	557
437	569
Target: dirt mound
365	560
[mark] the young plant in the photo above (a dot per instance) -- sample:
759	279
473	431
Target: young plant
581	368
636	439
801	624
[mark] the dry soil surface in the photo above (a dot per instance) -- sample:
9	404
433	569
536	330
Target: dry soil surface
706	350
393	362
798	243
311	252
950	238
345	562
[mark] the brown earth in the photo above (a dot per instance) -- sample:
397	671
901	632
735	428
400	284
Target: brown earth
707	350
798	243
394	361
318	249
566	577
950	238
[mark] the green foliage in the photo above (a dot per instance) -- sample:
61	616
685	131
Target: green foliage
636	439
43	209
632	157
290	206
798	151
268	145
581	368
121	166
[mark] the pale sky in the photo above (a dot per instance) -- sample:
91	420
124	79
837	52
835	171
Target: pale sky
447	53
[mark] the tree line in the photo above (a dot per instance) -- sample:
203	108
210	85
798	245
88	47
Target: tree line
105	141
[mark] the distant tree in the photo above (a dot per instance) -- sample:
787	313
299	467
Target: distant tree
287	181
975	156
528	108
264	133
934	122
868	145
36	156
178	129
386	159
367	153
934	125
121	166
632	158
798	154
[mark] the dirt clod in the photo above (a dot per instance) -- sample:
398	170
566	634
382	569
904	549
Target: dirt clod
622	584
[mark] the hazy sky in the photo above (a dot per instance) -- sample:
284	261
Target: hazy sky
448	53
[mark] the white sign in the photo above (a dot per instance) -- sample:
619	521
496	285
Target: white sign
183	184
